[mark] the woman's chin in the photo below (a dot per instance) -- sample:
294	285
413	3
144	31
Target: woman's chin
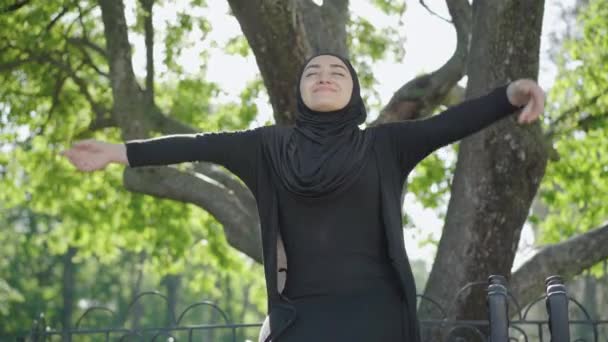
326	107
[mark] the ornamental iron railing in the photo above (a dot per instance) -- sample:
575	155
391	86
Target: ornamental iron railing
506	322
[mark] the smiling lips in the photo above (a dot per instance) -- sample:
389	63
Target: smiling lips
324	89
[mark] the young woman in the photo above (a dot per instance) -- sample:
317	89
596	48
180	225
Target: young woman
328	196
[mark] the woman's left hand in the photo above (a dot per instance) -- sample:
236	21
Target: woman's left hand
526	92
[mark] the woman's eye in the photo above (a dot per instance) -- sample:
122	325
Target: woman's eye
340	74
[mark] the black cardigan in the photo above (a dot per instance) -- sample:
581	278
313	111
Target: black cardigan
397	147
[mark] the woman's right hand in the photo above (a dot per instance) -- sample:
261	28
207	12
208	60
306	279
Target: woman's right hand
92	155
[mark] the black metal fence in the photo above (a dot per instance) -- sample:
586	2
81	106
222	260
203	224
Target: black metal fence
557	325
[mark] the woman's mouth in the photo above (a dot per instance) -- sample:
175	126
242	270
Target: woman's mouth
324	89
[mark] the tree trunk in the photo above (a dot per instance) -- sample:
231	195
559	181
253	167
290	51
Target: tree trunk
137	272
67	291
498	170
567	258
282	34
172	282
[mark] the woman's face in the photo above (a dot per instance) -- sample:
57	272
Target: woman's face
326	84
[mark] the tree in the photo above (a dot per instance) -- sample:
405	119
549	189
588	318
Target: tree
67	63
575	182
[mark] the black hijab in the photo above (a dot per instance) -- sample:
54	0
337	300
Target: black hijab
325	151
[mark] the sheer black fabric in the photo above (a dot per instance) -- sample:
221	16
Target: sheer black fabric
326	151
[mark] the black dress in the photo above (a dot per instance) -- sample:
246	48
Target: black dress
339	275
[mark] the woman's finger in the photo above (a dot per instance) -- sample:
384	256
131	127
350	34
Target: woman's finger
83	144
534	110
525	113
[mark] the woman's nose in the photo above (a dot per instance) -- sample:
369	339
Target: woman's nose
323	78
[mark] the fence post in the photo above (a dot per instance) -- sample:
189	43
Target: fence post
557	309
498	309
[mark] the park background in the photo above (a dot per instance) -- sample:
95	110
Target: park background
70	241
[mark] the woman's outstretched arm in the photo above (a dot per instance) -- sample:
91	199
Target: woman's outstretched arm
230	149
416	139
236	150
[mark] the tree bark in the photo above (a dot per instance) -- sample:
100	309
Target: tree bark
282	34
128	105
240	222
173	283
420	96
567	259
498	170
232	204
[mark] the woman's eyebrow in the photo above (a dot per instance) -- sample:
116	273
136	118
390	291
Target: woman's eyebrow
312	66
338	66
316	66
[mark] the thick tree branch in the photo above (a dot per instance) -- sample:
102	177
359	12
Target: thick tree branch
88	61
236	217
84	42
282	34
567	259
155	119
9	66
149	39
419	97
168	125
17	5
54	21
137	119
433	12
209	186
78	42
332	16
337	5
101	122
125	90
279	47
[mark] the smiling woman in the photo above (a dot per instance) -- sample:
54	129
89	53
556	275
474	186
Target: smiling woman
328	197
326	84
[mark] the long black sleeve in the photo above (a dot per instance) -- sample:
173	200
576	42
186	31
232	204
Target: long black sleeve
238	151
416	139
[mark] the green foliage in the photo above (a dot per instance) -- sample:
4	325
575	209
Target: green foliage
27	266
48	208
575	188
390	6
430	182
238	46
190	100
8	295
368	44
